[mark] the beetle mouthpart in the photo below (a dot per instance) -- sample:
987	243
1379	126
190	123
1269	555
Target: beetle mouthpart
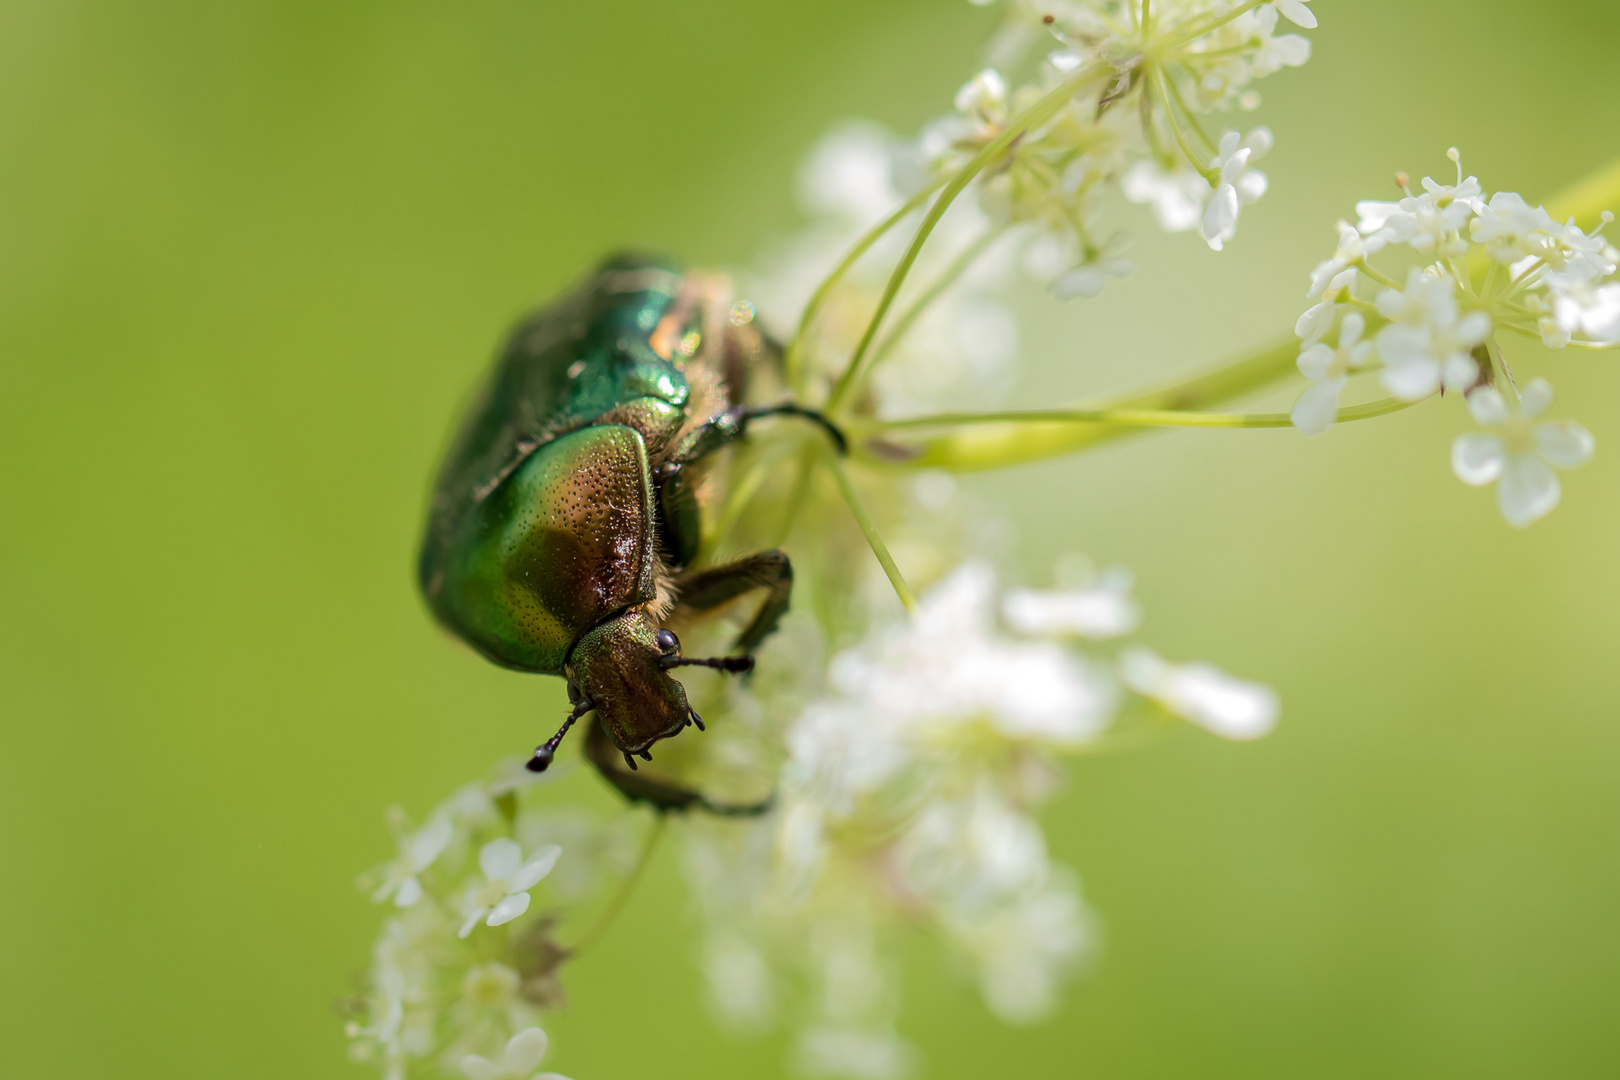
646	755
546	751
698	720
630	761
733	665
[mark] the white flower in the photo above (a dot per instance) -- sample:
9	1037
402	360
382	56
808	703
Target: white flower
1521	452
984	96
1580	306
1236	184
1353	248
1430	223
1217	702
1296	12
504	895
1329	369
417	852
1314	323
523	1054
1429	341
1511	229
1101	609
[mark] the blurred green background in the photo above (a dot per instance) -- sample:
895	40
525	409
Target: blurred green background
253	255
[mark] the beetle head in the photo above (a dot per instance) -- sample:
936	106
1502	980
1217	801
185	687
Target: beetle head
620	668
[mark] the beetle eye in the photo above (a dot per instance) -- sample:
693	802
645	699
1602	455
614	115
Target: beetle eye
668	644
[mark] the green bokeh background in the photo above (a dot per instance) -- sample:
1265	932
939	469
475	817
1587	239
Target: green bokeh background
252	255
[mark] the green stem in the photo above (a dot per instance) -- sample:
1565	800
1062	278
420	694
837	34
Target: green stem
1035	115
869	530
1139	417
932	293
791	360
616	903
994	445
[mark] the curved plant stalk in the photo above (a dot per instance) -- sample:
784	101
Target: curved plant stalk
869	530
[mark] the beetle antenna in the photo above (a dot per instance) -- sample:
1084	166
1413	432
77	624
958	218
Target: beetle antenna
548	749
735	665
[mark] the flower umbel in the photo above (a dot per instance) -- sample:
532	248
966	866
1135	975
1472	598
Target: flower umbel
1490	267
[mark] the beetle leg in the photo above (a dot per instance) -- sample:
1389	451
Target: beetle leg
769	570
665	796
732	425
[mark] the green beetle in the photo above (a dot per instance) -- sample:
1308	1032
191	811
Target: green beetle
564	517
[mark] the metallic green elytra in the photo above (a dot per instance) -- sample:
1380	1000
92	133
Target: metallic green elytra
564	519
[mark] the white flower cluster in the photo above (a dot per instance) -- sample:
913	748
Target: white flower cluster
1139	78
459	977
909	794
1485	267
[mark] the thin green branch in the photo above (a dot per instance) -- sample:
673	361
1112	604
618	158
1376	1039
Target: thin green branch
869	530
615	904
944	281
1136	417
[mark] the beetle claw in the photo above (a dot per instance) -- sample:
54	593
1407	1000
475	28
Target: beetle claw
646	755
630	761
698	720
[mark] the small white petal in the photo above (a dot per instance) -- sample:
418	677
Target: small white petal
1222	212
500	859
1317	407
1411	382
1086	281
1565	443
428	843
1374	214
536	868
1351	329
1251	186
1297	13
1537	396
1477	459
1473	328
508	909
410	891
1487	406
478	1068
473	915
1313	362
1315	322
1403	344
1461	372
524	1051
1528	490
1222	705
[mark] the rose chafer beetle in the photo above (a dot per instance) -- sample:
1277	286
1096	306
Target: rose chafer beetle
564	518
